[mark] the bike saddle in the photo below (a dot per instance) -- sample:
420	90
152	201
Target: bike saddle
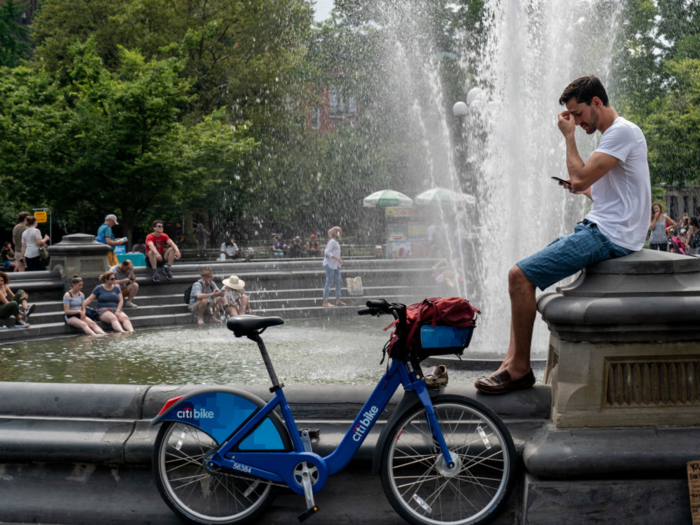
244	325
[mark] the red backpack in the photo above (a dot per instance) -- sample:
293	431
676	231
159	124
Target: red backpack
435	311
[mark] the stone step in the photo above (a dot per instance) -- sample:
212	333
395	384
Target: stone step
285	281
52	311
291	289
133	313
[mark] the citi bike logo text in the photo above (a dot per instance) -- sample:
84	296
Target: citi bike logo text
364	423
188	412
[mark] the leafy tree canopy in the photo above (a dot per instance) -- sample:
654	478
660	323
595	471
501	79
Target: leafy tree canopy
111	140
14	44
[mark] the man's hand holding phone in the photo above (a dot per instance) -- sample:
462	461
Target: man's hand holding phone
562	182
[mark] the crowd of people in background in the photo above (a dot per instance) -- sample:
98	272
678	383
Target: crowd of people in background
681	235
297	248
118	288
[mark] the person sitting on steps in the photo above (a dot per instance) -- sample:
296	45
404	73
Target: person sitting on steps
14	304
109	302
126	279
235	299
74	311
156	253
206	295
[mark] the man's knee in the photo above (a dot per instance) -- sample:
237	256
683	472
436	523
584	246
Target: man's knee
518	281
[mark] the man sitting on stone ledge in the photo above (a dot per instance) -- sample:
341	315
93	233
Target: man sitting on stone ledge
616	179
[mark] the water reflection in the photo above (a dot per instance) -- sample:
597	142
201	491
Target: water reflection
344	351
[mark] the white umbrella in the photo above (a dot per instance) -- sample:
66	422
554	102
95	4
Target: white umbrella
443	195
384	198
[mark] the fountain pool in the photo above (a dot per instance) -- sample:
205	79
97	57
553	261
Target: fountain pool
309	352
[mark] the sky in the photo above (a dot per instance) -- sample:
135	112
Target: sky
323	9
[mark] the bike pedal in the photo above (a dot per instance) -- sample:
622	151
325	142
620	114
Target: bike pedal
314	433
307	513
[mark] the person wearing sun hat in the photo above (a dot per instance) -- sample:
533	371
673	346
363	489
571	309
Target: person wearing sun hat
235	299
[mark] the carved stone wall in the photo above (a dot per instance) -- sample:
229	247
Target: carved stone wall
625	343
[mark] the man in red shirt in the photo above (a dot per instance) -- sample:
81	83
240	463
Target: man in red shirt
156	252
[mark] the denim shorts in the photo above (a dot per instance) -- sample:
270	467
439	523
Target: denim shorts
567	255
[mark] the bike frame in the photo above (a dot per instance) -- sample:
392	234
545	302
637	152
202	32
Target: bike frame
280	466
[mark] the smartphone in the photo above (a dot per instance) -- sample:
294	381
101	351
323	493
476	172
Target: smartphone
562	181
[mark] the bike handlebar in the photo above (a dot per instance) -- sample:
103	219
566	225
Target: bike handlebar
380	306
378	303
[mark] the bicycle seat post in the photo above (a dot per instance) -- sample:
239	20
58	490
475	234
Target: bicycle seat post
266	359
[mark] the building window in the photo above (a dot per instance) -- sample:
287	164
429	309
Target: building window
341	105
316	118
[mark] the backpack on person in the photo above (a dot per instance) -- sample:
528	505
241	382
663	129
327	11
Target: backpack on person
100	237
435	326
188	292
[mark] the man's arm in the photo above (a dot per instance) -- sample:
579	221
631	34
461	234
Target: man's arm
174	247
582	175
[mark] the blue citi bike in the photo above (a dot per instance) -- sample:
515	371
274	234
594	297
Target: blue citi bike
222	453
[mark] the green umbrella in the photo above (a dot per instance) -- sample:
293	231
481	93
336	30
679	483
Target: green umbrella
384	198
443	195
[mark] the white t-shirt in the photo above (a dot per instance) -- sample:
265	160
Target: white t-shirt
621	197
332	249
229	250
29	237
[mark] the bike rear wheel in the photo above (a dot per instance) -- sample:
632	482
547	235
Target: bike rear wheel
417	481
193	492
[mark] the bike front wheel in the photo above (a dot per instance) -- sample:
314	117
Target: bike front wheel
196	494
417	481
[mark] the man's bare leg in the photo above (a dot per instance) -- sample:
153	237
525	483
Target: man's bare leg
523	309
169	256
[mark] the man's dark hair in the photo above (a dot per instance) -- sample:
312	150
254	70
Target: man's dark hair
154	223
22	215
583	90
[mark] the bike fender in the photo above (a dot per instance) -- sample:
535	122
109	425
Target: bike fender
220	412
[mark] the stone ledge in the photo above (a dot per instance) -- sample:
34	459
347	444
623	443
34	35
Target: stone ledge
605	501
643	452
110	424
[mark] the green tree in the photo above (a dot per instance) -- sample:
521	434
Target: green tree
14	37
673	130
112	140
237	53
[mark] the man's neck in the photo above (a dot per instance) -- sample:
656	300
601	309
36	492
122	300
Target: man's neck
607	117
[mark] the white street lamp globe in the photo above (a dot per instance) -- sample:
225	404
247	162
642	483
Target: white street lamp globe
475	94
460	109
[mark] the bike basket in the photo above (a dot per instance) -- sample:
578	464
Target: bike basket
442	340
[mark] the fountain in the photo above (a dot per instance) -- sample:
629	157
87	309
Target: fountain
507	132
